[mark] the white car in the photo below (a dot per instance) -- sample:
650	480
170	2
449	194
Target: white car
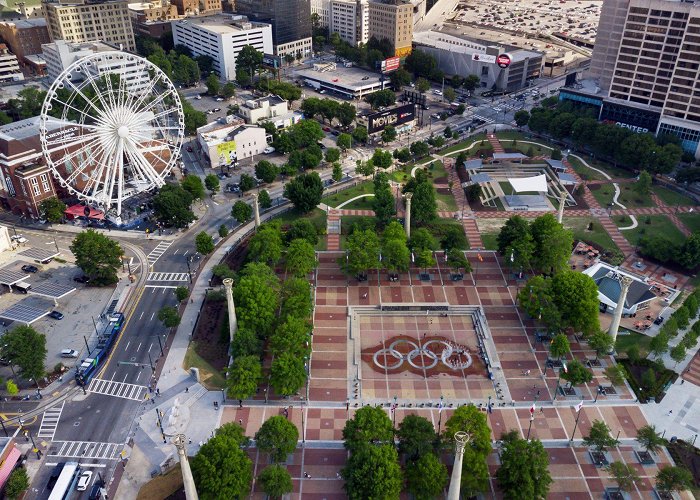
437	92
19	238
269	150
84	480
69	353
219	99
198	97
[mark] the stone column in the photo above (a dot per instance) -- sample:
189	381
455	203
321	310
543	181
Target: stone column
461	440
256	209
232	321
625	283
190	489
562	202
407	219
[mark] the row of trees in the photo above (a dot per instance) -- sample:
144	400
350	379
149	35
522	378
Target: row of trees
662	249
635	151
679	320
328	110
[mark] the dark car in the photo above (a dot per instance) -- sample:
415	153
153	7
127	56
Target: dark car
55	315
321	145
81	279
335	132
30	269
189	149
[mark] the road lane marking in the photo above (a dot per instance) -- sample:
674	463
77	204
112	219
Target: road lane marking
49	422
153	287
85	450
118	389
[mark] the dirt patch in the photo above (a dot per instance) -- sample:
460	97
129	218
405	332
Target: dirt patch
440	180
443	190
685	454
211	344
165	486
234	259
580	202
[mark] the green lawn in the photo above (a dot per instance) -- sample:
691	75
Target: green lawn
336	199
446	202
659	225
361	204
597	236
628	196
587	174
622	220
671	198
624	342
463	144
210	378
317	218
490	241
691	221
510	135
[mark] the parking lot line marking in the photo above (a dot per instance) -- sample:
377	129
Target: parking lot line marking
150	347
127	345
139	347
142	313
152	315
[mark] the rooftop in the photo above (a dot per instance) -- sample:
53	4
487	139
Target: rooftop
222	23
24	129
477	44
271	99
353	78
606	278
27	23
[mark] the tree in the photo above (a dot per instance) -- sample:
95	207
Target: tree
373	472
257	298
52	209
27	104
419	149
266	171
332	155
450	94
287	374
370	426
416	437
266	246
399	78
337	174
362	251
278	437
246	183
302	229
25	348
275	481
456	260
422	64
213	85
659	344
211	181
475	472
535	298
424	203
172	206
650	439
623	474
300	259
615	374
576	373
181	293
670	479
221	469
359	134
264	199
600	342
241	211
389	134
426	477
515	240
304	191
524	472
223	231
559	346
98	256
422	85
553	244
169	316
293	336
204	243
678	353
599	437
244	376
688	255
381	98
193	185
383	201
643	184
11	388
521	117
421	239
396	256
250	59
17	483
471	82
228	90
344	141
296	298
576	297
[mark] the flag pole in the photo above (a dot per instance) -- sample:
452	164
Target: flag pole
532	417
578	415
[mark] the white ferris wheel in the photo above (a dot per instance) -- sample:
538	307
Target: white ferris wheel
111	126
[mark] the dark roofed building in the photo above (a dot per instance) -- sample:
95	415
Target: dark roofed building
638	296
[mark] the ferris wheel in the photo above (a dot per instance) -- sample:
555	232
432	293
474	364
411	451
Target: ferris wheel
111	126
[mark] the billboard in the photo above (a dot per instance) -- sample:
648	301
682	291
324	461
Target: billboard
272	61
226	151
396	116
484	58
391	64
503	60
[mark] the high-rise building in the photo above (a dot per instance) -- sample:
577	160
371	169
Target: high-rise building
393	20
222	36
25	37
290	21
197	7
645	68
9	66
350	19
152	18
323	9
89	21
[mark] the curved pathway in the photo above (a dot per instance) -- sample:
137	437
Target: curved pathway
353	199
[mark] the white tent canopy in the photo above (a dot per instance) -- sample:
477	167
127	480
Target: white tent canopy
529	184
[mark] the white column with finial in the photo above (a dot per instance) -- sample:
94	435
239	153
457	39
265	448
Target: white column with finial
256	209
461	440
407	219
562	202
232	321
625	283
180	442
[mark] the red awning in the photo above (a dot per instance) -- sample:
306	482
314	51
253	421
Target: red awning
79	211
9	465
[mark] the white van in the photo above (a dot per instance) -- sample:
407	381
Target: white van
22	287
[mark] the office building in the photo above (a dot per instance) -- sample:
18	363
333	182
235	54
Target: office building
9	66
270	108
323	9
393	20
290	21
222	36
152	18
224	143
645	69
457	54
25	38
88	21
350	19
197	7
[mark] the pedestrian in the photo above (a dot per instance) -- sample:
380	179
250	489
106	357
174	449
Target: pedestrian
670	412
682	381
187	389
157	392
240	403
240	421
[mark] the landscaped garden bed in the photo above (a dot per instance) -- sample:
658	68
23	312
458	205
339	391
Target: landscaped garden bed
648	379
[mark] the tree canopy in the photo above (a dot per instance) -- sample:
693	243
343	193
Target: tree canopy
266	245
416	436
524	472
204	243
475	473
304	191
362	251
244	375
241	211
275	481
369	426
193	185
426	477
373	472
599	437
98	256
25	348
52	209
278	437
300	258
172	206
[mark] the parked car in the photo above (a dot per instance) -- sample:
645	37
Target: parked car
30	269
84	480
55	315
18	238
219	99
198	97
269	150
233	188
81	279
437	92
216	110
335	132
69	353
326	129
189	149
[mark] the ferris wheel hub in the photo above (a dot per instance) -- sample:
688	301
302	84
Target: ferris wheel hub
123	131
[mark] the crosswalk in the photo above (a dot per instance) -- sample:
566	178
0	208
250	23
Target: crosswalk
85	450
118	389
158	251
168	277
485	119
49	422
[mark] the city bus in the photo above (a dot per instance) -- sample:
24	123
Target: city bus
64	487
